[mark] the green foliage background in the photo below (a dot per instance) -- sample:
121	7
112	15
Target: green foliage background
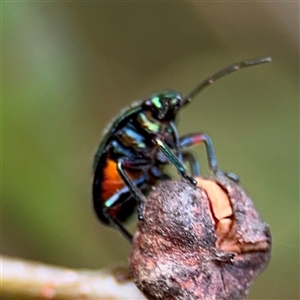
69	67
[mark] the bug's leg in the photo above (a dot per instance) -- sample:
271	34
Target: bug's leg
173	159
117	225
178	150
114	201
200	137
136	164
193	163
158	174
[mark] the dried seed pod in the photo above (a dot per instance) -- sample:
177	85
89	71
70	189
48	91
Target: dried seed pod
205	242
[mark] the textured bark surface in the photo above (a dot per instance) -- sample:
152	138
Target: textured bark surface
199	243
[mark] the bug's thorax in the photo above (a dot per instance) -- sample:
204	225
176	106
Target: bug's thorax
139	131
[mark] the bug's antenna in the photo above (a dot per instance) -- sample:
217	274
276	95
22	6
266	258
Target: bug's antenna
224	72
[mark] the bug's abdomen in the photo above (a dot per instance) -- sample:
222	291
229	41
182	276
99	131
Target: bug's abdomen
111	180
107	183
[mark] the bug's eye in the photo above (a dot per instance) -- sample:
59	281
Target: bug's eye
148	103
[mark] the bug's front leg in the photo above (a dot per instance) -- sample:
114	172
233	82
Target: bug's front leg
198	138
173	159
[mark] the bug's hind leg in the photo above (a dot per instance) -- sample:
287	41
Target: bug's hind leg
198	138
118	225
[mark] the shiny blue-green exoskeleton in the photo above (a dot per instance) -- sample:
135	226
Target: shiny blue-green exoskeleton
140	143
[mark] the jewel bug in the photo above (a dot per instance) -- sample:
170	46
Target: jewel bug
140	143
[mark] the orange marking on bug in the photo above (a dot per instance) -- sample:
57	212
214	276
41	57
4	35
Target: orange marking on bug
112	182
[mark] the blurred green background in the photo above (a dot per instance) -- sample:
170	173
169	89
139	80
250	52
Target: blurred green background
69	67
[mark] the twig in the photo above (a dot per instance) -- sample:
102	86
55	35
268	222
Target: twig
24	279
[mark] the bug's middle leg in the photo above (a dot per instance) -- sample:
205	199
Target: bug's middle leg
198	138
137	164
189	157
116	199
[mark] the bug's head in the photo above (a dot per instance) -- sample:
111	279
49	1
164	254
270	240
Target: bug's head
165	105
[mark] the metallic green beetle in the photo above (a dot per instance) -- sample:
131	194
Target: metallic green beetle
140	143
